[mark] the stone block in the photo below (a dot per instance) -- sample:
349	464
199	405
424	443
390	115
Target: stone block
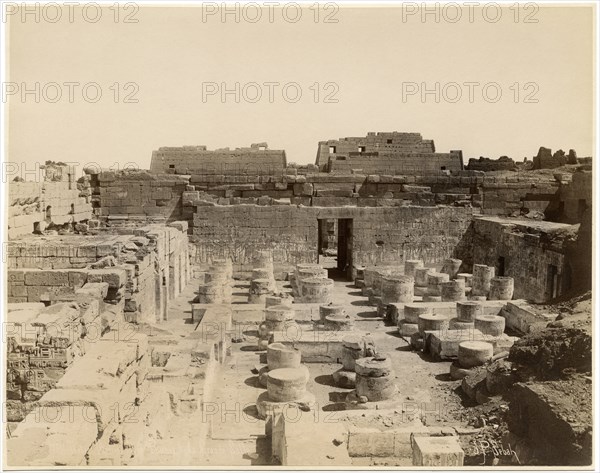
443	344
524	318
46	278
52	435
115	277
77	279
373	441
17	290
15	275
96	289
317	346
437	451
474	381
87	251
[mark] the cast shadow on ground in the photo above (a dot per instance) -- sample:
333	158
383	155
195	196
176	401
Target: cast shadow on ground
337	406
325	380
372	314
249	348
404	348
443	377
465	400
262	456
252	381
337	401
361	304
251	411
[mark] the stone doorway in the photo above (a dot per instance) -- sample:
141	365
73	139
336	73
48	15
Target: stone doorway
552	287
335	246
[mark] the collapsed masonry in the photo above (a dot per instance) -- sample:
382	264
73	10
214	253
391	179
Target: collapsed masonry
104	346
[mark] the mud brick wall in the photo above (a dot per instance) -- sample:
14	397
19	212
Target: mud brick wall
245	161
503	163
546	160
138	194
382	234
35	205
528	249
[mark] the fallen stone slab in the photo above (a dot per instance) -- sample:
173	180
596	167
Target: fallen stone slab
437	451
523	318
96	289
106	362
44	439
443	344
317	346
34	306
396	442
445	308
34	277
474	381
294	442
97	406
115	277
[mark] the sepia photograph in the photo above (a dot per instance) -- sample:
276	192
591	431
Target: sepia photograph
316	235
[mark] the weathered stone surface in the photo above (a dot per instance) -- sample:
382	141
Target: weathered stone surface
437	451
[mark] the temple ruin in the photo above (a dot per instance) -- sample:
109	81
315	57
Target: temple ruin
387	305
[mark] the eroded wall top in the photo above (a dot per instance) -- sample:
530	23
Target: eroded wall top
258	159
385	153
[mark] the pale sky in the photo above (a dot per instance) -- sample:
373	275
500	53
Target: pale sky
370	54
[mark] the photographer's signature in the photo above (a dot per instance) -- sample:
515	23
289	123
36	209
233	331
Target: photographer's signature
493	448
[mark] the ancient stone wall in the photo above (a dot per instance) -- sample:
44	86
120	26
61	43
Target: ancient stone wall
138	194
393	235
391	143
60	252
530	252
575	197
97	404
256	160
145	267
327	189
385	153
42	342
380	234
54	199
174	197
519	193
388	163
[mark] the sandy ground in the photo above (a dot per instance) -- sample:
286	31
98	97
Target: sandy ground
237	437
